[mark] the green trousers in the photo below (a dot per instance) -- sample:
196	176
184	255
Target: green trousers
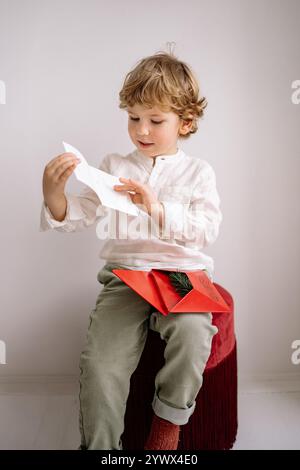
116	336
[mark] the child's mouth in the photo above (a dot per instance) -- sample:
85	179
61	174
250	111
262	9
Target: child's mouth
144	145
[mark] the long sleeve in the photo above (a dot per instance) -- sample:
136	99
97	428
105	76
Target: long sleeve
198	222
82	211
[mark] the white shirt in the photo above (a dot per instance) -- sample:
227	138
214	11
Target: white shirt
178	180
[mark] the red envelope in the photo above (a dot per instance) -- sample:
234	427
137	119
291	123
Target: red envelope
156	288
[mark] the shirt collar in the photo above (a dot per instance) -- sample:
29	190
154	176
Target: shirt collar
165	159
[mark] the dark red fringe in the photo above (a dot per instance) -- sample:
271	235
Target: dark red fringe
212	426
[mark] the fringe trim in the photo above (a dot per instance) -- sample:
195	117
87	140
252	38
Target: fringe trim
212	426
214	423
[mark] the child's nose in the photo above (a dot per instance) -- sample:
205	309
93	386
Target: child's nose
143	129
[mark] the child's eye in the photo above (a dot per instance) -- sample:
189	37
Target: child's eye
154	122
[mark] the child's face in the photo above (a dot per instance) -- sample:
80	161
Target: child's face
153	126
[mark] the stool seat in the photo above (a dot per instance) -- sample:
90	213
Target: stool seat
213	425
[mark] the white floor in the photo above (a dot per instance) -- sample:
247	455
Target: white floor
45	416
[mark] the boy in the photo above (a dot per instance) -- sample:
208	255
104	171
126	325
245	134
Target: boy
161	96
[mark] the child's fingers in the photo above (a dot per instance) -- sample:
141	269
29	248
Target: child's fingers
68	166
50	163
124	187
57	171
57	161
62	162
66	173
131	182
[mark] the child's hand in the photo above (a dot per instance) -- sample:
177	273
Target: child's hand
141	194
56	174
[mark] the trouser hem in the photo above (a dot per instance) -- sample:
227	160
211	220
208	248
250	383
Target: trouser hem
174	415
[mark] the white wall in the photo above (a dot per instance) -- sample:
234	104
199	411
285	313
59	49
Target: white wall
63	64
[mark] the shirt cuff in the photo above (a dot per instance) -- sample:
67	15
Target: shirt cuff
73	212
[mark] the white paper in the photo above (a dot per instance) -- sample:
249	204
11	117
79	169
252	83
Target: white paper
102	183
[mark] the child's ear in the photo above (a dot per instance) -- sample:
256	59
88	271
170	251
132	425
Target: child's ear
185	127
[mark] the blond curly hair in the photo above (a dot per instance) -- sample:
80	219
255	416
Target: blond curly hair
163	80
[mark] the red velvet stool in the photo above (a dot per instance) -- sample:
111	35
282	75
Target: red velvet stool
213	425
